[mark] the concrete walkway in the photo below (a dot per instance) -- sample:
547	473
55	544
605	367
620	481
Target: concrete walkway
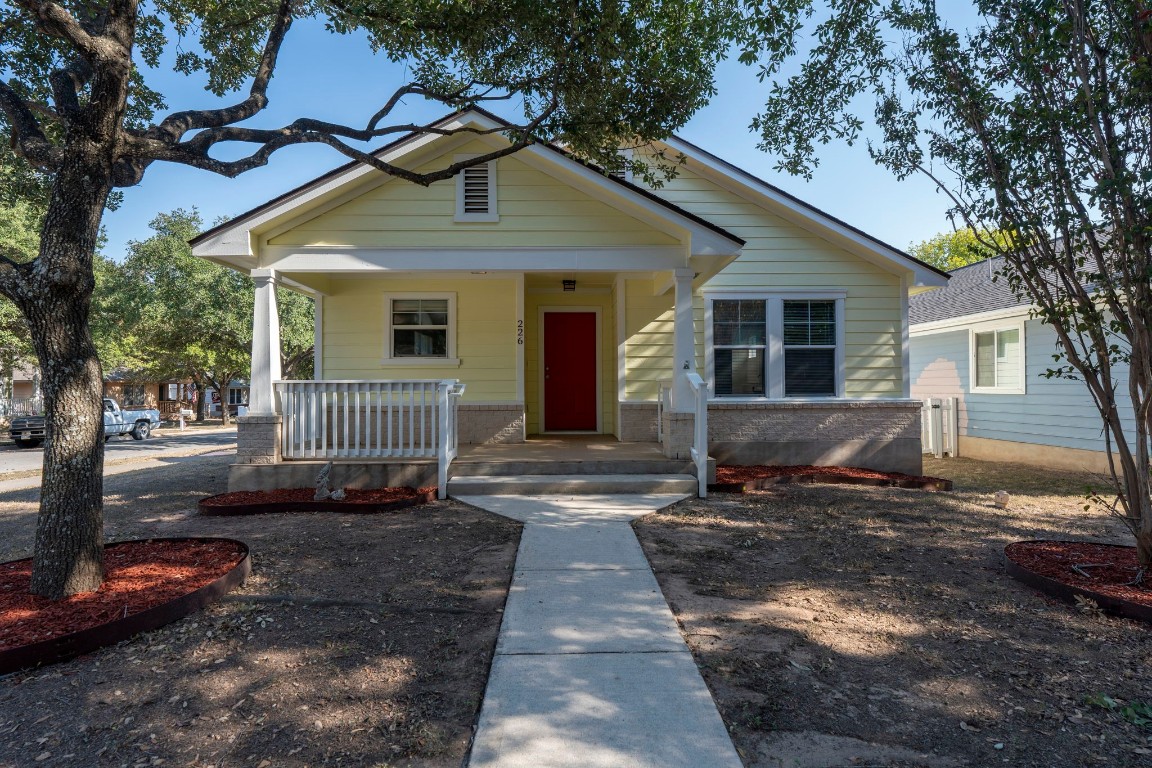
590	668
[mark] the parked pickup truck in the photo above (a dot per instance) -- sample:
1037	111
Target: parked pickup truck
28	431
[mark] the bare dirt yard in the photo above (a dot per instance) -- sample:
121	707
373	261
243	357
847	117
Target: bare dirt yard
848	626
359	640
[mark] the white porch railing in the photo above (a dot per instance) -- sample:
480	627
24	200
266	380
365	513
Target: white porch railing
939	419
699	450
371	419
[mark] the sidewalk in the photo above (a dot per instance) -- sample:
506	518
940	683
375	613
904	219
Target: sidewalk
590	669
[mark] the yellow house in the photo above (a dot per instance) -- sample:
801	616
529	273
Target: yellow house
536	295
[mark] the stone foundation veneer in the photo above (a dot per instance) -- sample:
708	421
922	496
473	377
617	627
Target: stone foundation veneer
258	439
488	424
878	434
637	423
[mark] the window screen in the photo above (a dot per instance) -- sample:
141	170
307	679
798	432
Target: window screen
809	348
420	327
739	338
997	359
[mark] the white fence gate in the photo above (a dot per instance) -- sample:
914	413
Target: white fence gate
938	419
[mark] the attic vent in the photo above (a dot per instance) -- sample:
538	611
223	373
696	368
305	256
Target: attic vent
624	173
476	193
476	189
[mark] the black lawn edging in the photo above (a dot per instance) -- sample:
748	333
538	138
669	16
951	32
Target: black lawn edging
73	644
763	483
1067	593
207	508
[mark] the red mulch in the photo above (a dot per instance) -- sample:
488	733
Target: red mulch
1055	559
138	575
360	495
731	474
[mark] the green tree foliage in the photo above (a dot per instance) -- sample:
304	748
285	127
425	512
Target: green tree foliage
952	250
190	318
78	99
1033	119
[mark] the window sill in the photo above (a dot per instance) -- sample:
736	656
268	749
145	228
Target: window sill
766	399
998	391
421	362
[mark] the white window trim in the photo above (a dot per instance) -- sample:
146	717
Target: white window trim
774	377
493	215
997	327
420	362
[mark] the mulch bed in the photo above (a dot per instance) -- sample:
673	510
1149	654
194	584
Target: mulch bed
139	575
362	500
734	479
1106	574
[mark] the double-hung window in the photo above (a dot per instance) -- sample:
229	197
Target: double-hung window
998	360
809	348
775	346
421	328
740	341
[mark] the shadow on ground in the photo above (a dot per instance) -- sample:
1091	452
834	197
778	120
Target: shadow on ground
359	640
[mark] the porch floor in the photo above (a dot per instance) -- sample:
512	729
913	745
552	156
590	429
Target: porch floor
552	448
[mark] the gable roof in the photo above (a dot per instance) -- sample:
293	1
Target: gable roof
227	241
971	291
401	144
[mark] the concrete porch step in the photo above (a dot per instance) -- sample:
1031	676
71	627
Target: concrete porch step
548	485
464	467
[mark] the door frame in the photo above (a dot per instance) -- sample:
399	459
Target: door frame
542	310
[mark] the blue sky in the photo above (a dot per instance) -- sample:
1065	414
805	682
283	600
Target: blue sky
313	80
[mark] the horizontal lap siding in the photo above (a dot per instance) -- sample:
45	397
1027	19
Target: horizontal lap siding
781	256
535	210
1056	412
648	333
485	333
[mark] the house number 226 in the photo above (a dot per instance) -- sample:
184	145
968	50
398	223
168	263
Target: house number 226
519	331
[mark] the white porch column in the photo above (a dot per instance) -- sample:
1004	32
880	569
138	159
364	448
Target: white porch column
684	346
265	345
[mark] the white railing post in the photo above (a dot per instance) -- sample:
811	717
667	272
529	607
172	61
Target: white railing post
663	403
699	451
443	458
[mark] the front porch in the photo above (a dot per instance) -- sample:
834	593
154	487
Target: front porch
537	456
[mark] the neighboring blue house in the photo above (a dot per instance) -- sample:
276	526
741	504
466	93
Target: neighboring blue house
974	341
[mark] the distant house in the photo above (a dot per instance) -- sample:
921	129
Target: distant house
135	390
974	341
236	397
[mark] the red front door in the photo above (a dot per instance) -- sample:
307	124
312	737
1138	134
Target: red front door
569	371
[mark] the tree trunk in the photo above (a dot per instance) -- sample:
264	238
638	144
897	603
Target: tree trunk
55	296
201	406
225	413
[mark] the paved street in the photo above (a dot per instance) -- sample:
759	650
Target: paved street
120	451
